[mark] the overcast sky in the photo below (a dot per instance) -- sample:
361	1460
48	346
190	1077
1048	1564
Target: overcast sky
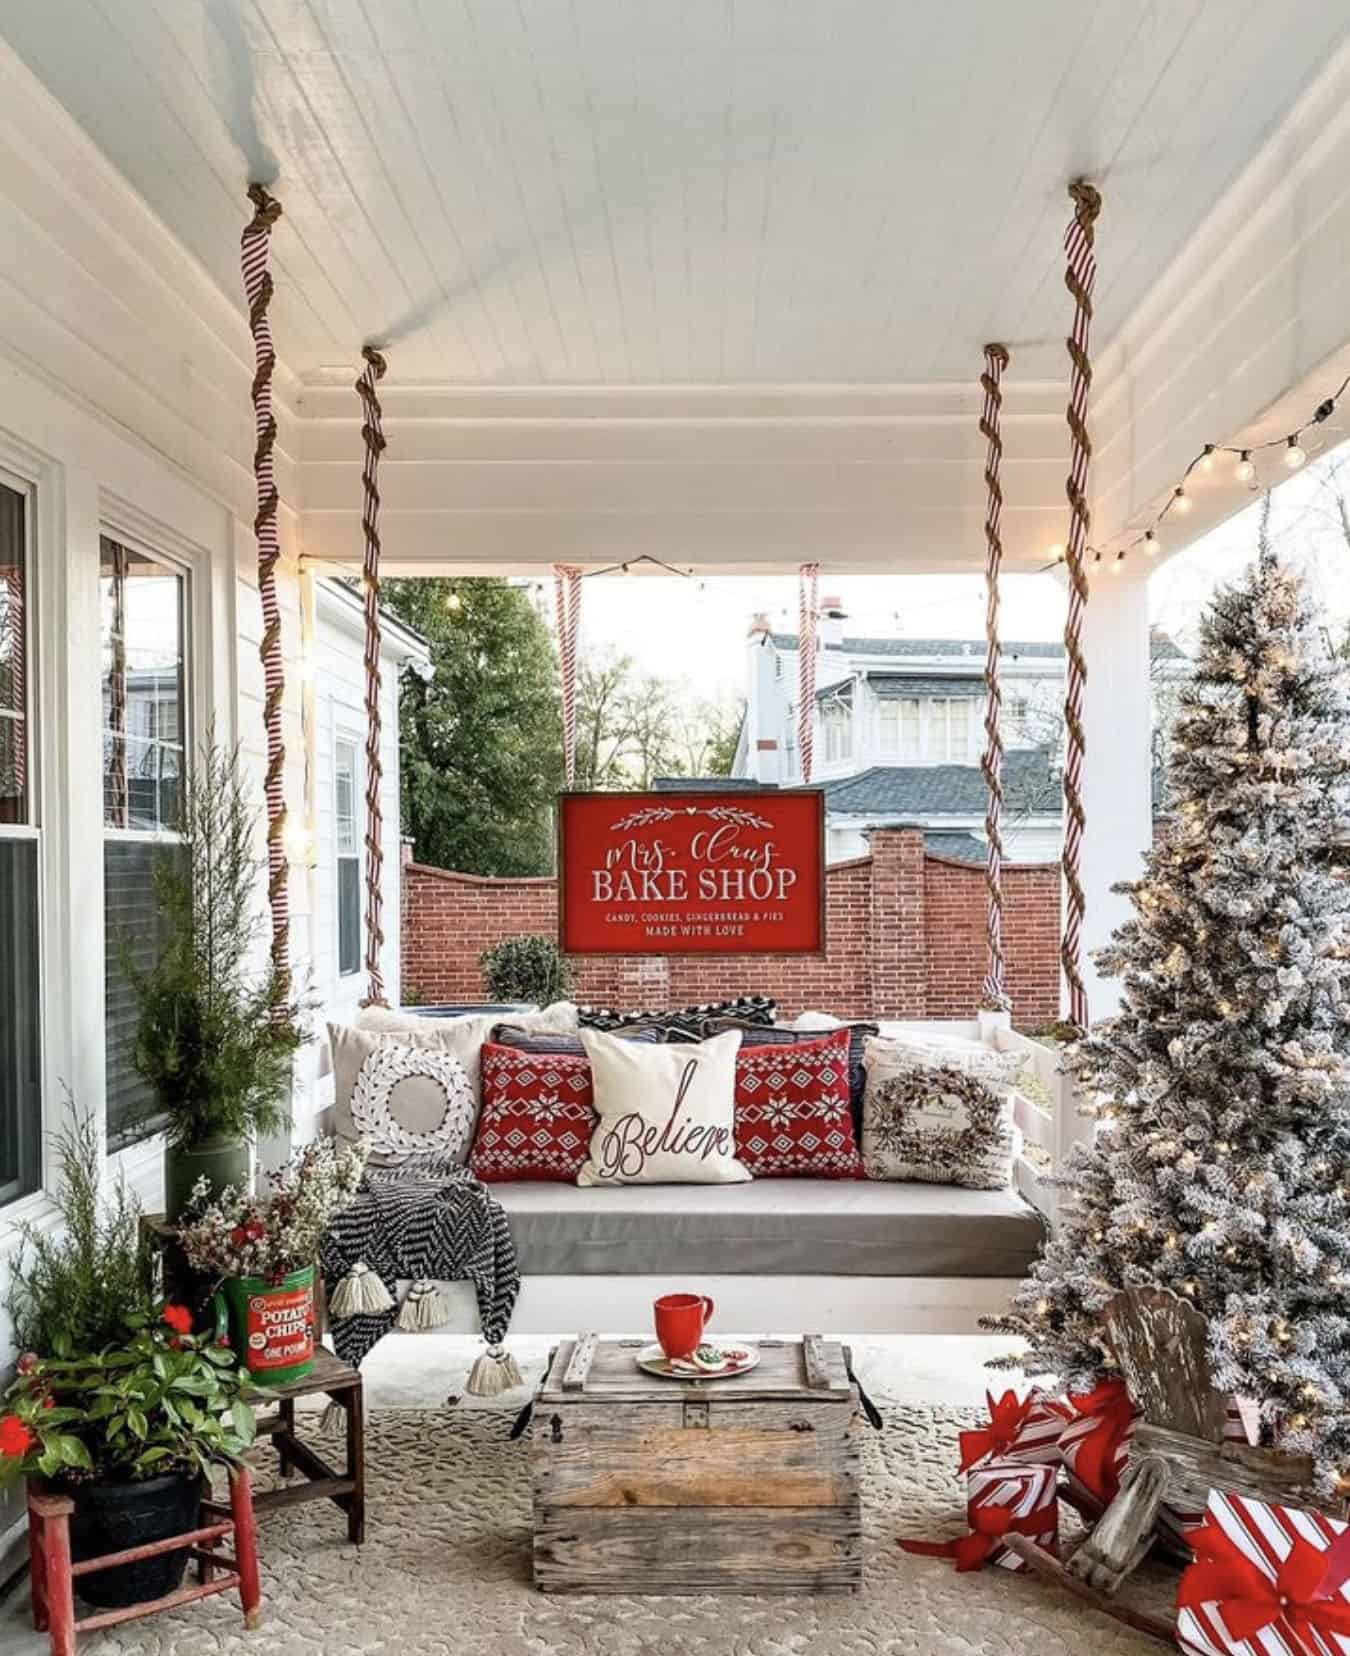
694	631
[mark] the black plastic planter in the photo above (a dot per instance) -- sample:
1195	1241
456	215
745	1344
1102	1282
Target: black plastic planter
114	1517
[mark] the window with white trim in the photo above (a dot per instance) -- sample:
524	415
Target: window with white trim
900	730
836	724
20	972
143	604
347	849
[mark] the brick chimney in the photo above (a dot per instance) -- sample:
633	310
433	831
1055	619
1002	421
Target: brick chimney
831	623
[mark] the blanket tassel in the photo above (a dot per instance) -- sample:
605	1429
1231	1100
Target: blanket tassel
495	1371
360	1294
423	1307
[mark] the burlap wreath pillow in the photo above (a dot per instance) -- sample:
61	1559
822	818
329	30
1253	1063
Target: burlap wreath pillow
936	1123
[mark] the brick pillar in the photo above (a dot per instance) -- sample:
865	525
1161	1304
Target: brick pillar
898	943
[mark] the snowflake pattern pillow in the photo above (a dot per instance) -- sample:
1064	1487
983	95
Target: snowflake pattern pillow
946	1121
537	1117
792	1110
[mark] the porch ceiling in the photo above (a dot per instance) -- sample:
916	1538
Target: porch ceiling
711	281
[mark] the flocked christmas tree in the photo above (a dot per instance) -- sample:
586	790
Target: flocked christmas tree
1222	1166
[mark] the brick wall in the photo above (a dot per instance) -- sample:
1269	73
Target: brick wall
905	936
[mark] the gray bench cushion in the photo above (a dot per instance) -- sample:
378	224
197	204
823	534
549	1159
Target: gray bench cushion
771	1227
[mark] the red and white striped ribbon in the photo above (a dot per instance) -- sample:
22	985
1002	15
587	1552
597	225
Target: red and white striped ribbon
1079	277
372	435
995	979
808	612
255	249
567	597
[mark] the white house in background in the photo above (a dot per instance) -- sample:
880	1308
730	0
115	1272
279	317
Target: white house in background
900	730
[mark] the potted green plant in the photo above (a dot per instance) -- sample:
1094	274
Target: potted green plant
215	1035
129	1432
263	1248
528	969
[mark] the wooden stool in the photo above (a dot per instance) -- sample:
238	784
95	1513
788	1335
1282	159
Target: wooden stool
54	1575
344	1386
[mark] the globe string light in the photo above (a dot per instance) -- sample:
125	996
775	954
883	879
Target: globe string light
1181	501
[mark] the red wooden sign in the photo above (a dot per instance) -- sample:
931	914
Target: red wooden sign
692	873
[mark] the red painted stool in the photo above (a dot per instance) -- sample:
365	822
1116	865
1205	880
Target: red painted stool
54	1575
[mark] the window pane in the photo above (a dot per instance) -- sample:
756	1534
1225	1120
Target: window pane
13	661
344	796
20	1082
909	730
889	727
958	728
349	914
143	699
132	929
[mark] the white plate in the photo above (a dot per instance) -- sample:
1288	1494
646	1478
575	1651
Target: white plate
653	1360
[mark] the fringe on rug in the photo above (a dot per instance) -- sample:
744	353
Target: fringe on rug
495	1371
423	1307
360	1293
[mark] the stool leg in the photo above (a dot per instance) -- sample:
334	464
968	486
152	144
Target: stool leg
59	1585
246	1546
356	1463
287	1411
37	1567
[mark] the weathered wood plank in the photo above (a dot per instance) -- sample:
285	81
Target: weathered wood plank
579	1364
821	1375
1161	1342
1194	1467
1118	1543
781	1374
679	1467
1051	1568
742	1551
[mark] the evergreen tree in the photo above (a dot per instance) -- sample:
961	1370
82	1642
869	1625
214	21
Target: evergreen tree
481	743
1221	1168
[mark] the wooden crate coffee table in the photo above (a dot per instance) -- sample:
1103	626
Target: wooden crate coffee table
648	1485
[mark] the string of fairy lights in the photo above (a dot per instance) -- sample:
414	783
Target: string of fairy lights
1180	501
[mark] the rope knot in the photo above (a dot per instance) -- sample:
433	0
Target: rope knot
1087	204
267	209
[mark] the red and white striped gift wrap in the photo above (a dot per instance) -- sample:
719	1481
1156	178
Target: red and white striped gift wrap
1095	1444
1002	1498
1018	1429
1267	1581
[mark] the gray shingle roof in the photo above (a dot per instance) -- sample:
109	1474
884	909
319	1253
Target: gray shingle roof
1161	647
960	847
709	784
947	790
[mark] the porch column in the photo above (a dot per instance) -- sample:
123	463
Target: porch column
1117	769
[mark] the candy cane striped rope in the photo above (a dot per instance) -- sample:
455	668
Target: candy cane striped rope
808	610
567	592
1079	277
255	248
372	435
995	986
118	801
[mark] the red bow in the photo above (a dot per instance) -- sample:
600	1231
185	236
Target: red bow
1006	1419
989	1525
1249	1600
1094	1462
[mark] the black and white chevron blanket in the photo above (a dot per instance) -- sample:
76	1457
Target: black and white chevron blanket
428	1218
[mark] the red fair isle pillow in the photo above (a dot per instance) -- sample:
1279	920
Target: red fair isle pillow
537	1116
792	1111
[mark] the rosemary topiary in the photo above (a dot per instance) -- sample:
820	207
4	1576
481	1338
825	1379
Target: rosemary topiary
527	968
79	1281
214	1038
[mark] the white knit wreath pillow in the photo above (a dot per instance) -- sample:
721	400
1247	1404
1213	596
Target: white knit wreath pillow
399	1090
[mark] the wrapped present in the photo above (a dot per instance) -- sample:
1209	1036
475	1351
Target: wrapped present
1019	1429
1173	1521
1095	1444
1272	1580
1002	1498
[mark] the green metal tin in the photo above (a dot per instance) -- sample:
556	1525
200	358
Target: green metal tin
271	1325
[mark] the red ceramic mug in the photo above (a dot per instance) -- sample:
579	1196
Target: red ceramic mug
680	1321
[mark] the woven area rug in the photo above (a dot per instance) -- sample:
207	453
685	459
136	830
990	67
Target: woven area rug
445	1571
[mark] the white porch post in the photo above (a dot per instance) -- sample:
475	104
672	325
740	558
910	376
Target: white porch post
1117	769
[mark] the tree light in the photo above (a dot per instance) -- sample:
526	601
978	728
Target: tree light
1294	456
1118	566
1206	461
453	602
1181	501
1152	545
1244	471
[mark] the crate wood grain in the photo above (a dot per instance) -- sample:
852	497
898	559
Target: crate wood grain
648	1485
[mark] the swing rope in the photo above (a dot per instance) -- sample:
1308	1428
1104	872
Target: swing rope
567	595
255	249
808	609
372	435
995	996
1079	277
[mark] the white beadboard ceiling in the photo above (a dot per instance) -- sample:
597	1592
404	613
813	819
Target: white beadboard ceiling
709	279
617	192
